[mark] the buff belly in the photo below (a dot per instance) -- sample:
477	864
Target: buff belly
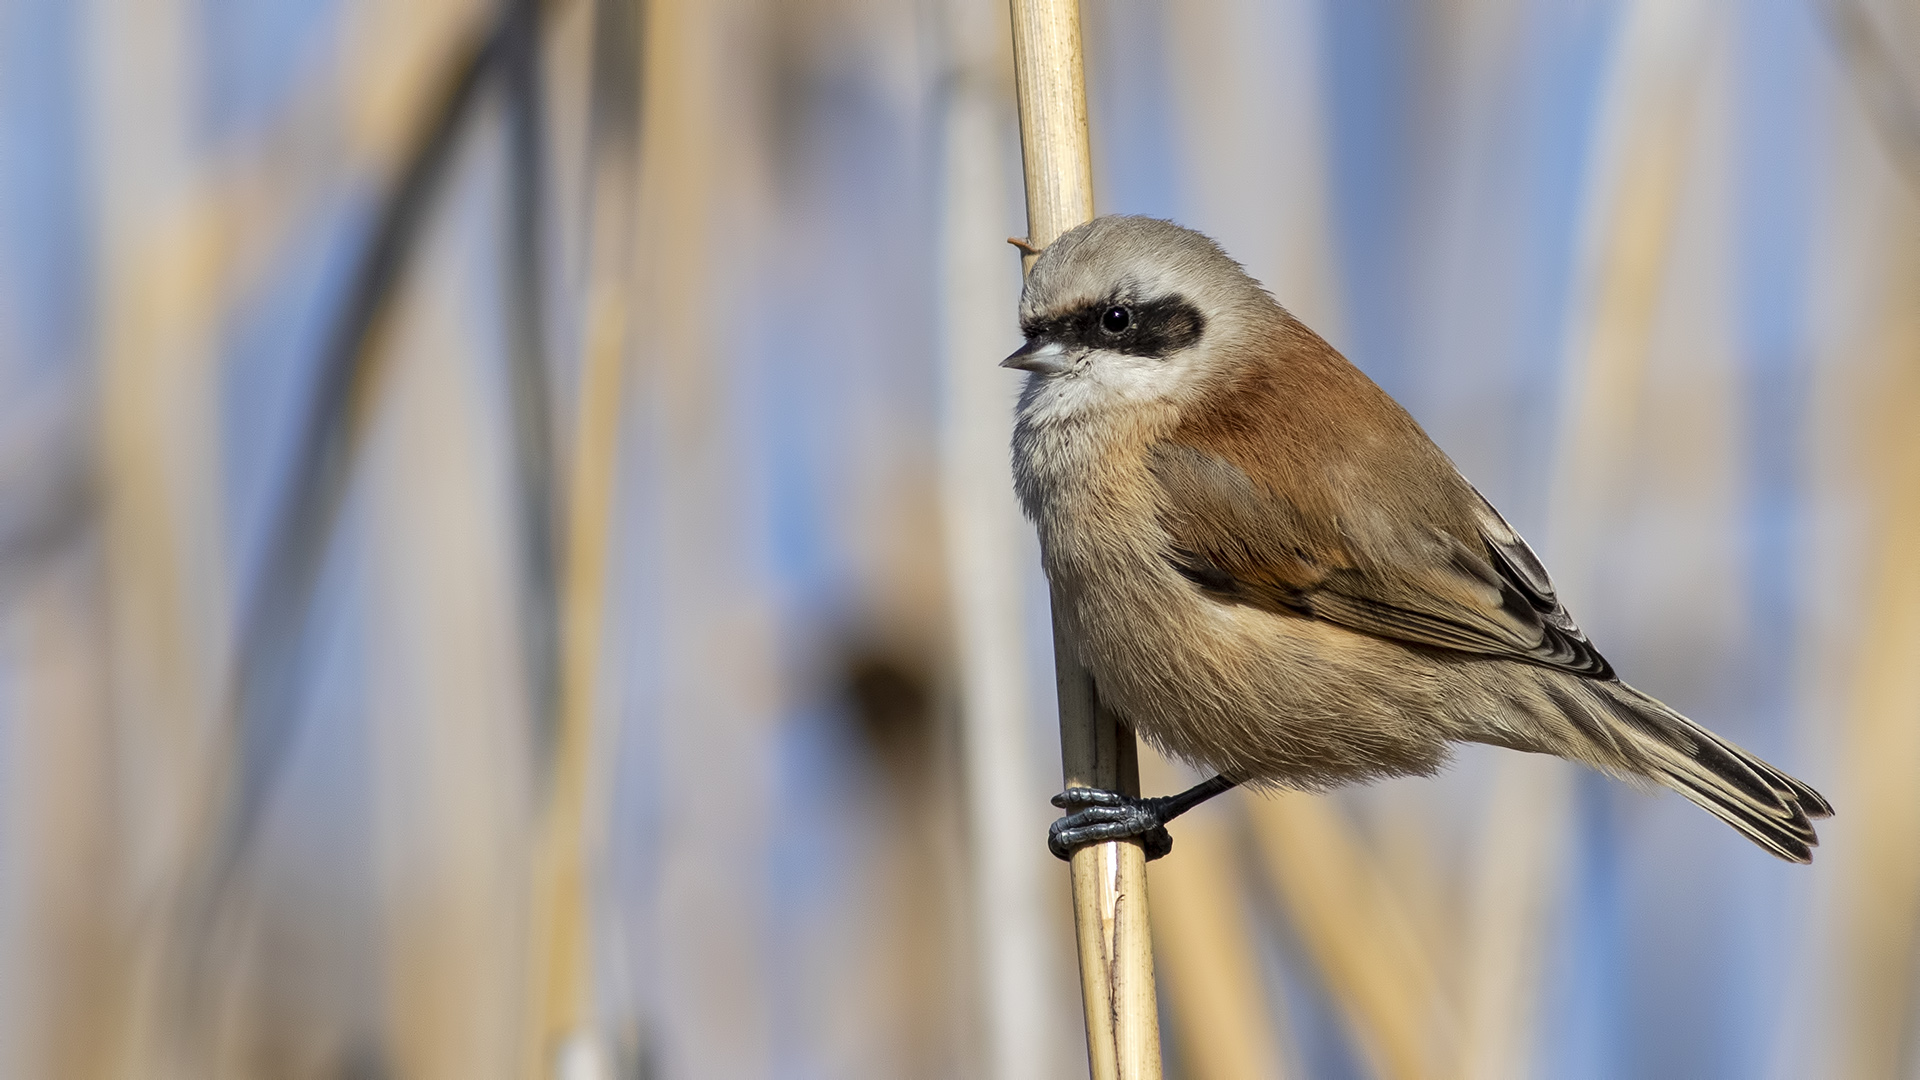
1263	698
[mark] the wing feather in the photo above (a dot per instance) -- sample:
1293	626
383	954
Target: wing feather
1457	578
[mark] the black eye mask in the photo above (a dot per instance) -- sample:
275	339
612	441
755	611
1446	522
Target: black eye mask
1156	328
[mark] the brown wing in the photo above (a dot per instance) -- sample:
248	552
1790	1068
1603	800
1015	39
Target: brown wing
1284	503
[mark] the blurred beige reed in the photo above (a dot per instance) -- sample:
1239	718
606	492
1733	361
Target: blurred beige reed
563	1037
1226	1023
159	227
1872	928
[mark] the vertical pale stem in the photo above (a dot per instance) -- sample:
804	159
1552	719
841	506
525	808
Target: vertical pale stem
1109	883
67	959
563	1024
446	700
1875	870
713	611
1110	879
1880	881
1109	886
161	266
1050	81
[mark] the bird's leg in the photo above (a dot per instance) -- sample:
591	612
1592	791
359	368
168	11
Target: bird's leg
1096	815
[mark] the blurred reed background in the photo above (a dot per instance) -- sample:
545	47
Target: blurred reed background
507	562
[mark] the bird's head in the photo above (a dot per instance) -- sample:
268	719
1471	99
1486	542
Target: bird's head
1126	312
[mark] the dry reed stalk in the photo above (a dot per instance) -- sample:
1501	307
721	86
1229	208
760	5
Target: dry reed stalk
393	56
161	272
67	924
984	547
1877	892
1366	945
563	1019
1644	145
1210	964
1866	460
718	689
1109	879
447	692
715	690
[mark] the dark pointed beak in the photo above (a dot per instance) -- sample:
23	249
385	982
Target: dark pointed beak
1039	356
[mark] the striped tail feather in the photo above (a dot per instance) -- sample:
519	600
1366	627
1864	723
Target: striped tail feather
1646	737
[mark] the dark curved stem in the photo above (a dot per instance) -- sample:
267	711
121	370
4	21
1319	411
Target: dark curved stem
531	400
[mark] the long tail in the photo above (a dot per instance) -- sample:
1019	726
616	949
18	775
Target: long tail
1634	733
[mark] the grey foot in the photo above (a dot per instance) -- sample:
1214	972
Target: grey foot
1095	816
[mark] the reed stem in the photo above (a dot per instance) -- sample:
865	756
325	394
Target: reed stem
1109	879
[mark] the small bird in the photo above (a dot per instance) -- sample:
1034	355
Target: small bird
1272	572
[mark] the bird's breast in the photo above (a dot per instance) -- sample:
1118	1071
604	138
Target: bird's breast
1097	509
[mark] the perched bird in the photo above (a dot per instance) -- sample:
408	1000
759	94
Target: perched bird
1271	572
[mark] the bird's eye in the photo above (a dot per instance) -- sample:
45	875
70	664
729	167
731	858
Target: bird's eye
1116	320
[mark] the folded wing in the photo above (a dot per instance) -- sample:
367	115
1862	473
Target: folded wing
1441	569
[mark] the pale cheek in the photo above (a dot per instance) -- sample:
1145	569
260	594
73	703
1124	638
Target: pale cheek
1135	380
1110	383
